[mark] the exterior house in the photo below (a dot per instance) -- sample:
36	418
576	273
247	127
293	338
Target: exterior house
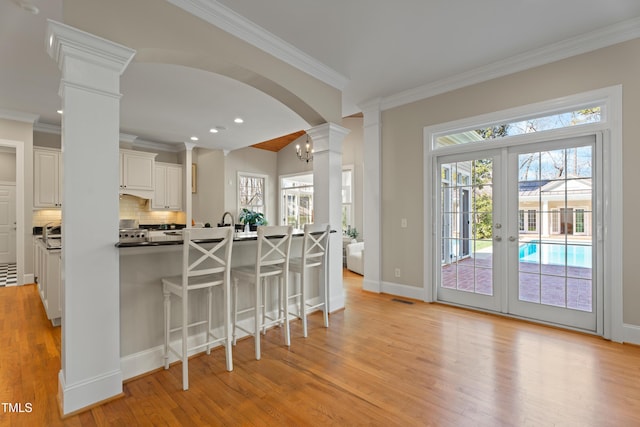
545	209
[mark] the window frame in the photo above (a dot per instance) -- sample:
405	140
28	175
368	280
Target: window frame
265	178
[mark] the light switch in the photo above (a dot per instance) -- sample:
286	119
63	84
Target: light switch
403	223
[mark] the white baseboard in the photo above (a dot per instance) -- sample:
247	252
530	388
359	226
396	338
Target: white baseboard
370	285
631	334
80	395
28	279
405	291
153	358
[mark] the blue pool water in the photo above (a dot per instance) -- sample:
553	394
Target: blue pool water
572	255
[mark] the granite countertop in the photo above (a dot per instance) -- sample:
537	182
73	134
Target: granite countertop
238	237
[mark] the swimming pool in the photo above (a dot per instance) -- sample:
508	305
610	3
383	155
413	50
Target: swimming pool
558	254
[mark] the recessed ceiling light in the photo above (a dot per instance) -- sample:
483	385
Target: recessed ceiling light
59	111
238	120
194	138
213	130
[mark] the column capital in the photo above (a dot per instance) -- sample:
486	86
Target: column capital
65	42
189	146
327	137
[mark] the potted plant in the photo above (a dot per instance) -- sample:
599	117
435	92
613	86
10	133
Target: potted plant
353	233
252	218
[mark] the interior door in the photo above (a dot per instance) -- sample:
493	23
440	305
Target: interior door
469	221
7	224
552	259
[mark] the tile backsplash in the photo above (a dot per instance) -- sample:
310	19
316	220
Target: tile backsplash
45	216
130	208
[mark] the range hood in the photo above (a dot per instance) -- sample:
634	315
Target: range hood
141	194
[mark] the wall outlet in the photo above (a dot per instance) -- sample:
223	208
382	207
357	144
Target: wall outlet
397	272
403	223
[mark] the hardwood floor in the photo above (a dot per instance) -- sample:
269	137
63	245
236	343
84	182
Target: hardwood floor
381	362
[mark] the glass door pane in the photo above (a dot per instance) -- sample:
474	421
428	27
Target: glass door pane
555	195
466	226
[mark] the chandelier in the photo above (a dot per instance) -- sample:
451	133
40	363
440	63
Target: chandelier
305	155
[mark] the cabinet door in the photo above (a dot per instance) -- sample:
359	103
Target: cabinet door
174	187
137	171
54	303
46	179
160	193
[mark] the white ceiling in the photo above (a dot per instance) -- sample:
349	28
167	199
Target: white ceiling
382	48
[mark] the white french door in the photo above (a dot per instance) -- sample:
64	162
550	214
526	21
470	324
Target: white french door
553	262
468	217
517	228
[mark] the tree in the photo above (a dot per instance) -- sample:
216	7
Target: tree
499	131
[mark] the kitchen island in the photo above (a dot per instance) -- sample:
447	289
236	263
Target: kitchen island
142	265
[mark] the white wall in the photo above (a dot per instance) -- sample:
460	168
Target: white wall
402	150
251	160
352	154
208	201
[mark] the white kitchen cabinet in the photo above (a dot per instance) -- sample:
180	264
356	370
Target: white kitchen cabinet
168	187
48	277
136	171
47	178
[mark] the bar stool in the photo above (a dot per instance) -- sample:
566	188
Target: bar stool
314	255
272	262
202	268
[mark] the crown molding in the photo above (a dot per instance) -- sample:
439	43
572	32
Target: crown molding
230	21
157	146
126	137
123	137
604	37
47	128
18	116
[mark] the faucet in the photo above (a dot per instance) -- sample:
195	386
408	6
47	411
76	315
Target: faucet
224	215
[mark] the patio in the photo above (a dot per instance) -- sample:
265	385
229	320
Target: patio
549	284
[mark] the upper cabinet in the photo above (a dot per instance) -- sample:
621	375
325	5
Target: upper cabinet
168	187
47	178
136	171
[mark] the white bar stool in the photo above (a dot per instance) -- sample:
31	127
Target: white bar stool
272	261
202	268
314	255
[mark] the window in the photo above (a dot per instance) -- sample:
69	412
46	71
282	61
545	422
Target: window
574	117
297	200
532	220
555	221
251	192
347	199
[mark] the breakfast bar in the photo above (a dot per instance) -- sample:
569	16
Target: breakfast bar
142	265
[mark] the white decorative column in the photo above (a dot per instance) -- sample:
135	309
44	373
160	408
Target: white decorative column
188	197
327	199
372	189
90	91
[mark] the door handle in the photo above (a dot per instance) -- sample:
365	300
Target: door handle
498	239
512	239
